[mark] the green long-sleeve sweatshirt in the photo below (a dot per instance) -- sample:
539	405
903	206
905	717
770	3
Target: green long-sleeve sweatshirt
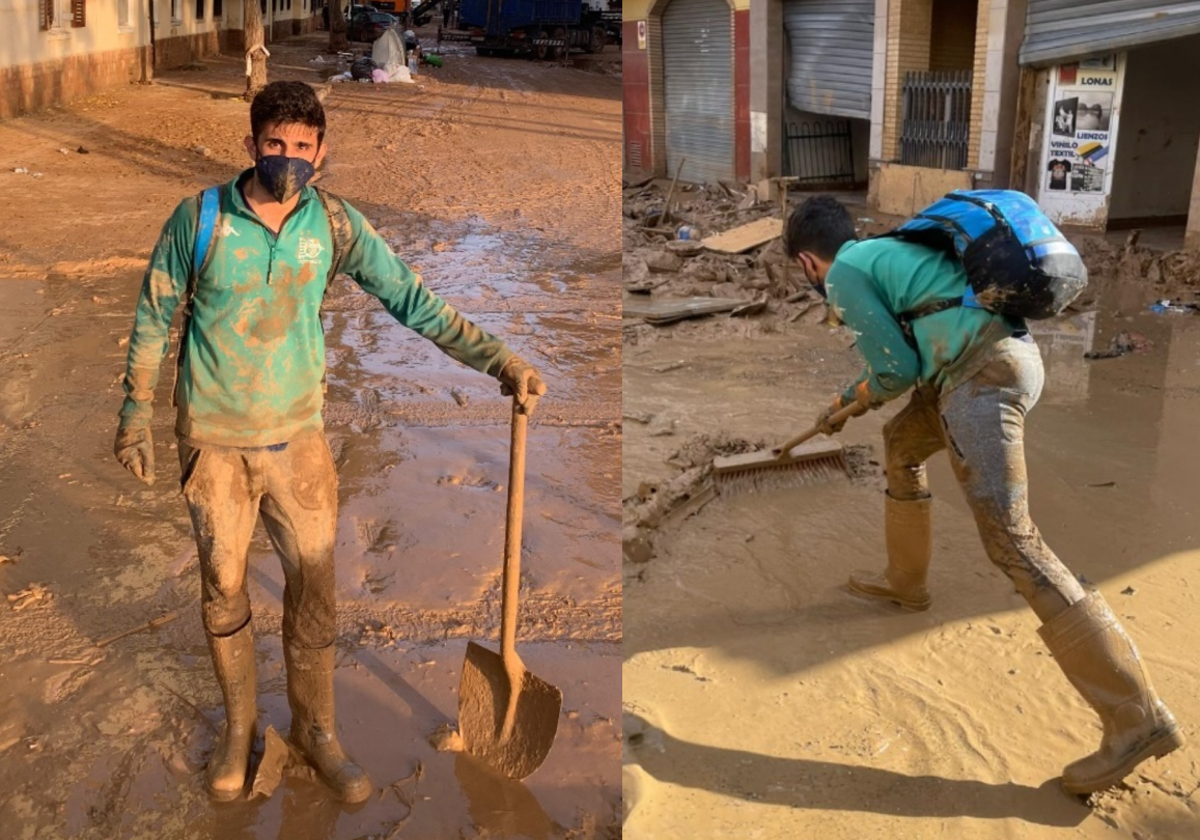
254	353
873	281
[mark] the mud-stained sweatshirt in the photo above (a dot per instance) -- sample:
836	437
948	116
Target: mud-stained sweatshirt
253	358
872	282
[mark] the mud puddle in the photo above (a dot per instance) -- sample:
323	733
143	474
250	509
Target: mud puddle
562	319
391	701
762	699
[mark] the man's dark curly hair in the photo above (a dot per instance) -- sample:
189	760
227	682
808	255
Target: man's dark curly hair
820	225
287	102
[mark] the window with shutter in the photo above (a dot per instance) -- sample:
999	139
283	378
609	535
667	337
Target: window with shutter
218	8
199	9
46	8
78	17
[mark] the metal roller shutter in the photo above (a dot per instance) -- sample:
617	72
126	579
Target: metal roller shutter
1061	31
698	80
832	45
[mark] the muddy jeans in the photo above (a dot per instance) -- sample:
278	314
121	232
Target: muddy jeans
294	487
982	425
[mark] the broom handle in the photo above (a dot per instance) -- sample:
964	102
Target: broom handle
843	415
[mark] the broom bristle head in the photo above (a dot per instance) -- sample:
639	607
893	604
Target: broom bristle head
802	473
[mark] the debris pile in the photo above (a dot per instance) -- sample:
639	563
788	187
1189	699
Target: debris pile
1173	275
654	505
710	241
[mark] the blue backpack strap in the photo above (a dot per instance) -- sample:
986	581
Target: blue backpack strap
210	205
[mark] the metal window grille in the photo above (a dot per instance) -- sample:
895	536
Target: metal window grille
820	152
937	118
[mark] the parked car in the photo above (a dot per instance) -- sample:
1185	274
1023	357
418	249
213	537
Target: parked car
369	26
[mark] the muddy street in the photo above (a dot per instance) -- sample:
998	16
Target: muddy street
763	699
496	179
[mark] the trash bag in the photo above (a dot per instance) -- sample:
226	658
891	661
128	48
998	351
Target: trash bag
362	68
388	52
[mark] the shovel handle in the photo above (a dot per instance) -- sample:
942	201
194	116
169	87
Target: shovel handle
512	533
840	416
511	586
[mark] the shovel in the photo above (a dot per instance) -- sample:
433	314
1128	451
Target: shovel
507	716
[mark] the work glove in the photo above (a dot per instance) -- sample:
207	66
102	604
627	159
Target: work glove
135	451
825	427
519	378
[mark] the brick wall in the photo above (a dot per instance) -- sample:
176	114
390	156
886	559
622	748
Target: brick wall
978	83
658	93
741	93
908	37
635	81
30	87
952	35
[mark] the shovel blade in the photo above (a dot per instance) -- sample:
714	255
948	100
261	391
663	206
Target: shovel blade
483	700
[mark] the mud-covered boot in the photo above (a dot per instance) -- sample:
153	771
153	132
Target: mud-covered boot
233	661
909	547
310	696
1103	664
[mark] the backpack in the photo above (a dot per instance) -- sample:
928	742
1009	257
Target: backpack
210	206
1018	263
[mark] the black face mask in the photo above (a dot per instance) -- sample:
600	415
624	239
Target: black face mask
814	282
283	176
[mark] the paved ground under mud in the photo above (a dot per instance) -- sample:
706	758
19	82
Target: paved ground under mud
497	179
763	700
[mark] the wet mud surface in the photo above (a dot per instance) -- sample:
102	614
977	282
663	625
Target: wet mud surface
762	699
108	742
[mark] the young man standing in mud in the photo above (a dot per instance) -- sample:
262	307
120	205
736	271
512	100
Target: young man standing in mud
249	394
974	375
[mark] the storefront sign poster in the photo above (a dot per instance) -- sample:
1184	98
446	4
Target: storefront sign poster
1079	141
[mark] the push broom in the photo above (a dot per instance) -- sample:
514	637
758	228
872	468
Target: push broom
801	461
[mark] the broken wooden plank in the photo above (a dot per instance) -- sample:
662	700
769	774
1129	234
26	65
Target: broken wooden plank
745	237
665	311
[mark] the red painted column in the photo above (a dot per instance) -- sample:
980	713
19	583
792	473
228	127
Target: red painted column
635	80
741	93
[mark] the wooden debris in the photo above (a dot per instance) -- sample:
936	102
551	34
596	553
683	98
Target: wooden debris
659	312
745	237
149	625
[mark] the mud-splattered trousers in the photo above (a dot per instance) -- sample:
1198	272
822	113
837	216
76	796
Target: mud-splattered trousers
982	425
294	487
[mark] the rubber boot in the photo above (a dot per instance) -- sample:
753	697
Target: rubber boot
909	538
233	661
1103	664
310	696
